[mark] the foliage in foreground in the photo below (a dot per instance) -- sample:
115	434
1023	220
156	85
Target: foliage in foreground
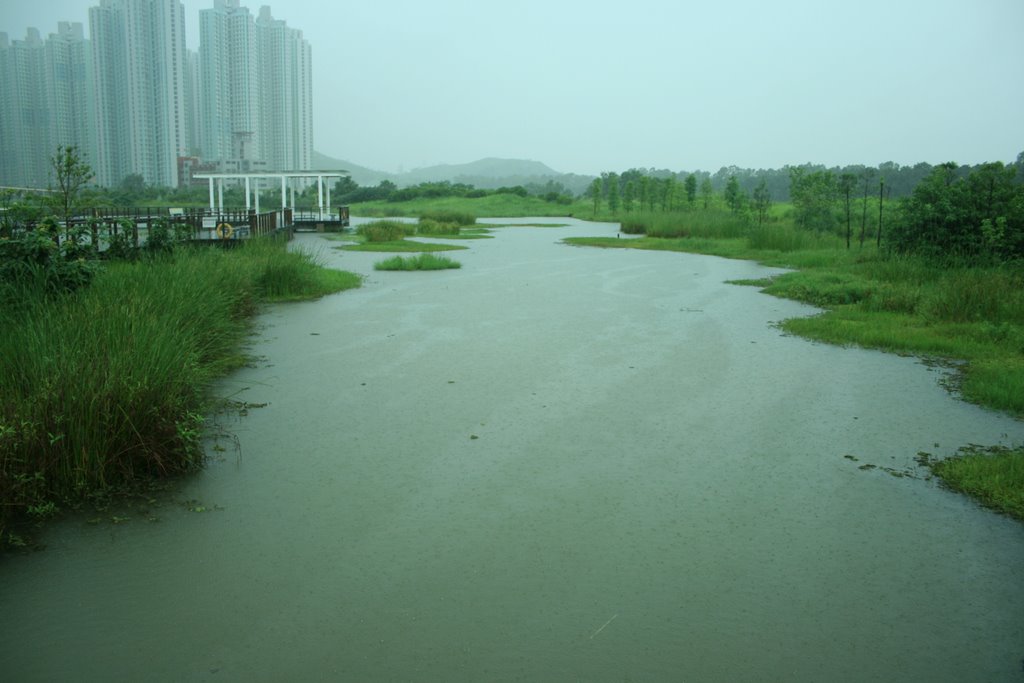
106	386
420	262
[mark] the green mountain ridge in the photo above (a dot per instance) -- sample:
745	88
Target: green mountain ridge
488	173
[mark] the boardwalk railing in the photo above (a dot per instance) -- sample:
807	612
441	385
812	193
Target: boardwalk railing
131	226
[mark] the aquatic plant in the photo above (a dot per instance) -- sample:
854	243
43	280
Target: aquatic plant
420	262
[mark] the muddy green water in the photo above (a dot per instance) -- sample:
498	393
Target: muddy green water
555	464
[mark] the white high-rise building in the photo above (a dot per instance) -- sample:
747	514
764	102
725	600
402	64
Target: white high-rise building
230	83
140	71
193	102
135	101
69	90
24	114
286	73
256	85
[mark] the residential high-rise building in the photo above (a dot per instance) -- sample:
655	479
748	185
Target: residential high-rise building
111	162
134	100
69	89
193	103
286	74
256	85
140	72
24	115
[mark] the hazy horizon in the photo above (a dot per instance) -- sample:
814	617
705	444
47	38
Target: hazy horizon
584	89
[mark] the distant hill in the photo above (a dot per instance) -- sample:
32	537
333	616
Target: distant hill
487	173
360	174
488	169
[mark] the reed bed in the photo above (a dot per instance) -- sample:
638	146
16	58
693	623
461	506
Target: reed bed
107	386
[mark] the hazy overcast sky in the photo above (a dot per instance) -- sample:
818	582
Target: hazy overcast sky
593	86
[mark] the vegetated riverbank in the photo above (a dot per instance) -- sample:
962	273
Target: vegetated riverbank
968	315
106	387
491	206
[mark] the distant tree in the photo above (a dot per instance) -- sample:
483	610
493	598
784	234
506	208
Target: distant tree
134	184
732	194
691	189
594	192
981	215
345	186
72	174
668	193
707	191
866	176
846	183
813	194
629	195
611	182
762	201
646	199
881	201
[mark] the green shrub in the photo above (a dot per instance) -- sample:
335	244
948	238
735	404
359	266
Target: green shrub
33	260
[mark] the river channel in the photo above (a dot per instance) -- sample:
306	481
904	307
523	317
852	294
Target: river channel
553	464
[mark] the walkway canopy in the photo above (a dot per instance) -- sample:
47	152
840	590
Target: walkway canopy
286	179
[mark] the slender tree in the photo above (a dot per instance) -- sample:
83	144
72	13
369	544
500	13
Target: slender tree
881	198
691	189
628	195
846	183
732	194
72	174
594	192
706	192
612	185
645	193
762	201
668	193
866	175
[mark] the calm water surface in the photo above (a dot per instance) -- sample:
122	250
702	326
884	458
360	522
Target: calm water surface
555	464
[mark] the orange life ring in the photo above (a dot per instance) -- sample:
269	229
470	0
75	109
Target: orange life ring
225	231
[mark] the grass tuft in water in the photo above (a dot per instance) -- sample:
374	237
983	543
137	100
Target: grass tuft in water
420	262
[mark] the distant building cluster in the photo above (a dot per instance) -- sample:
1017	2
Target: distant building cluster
136	101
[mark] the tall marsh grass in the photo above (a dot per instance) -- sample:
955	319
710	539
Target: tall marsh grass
454	216
385	230
107	385
712	223
430	227
418	262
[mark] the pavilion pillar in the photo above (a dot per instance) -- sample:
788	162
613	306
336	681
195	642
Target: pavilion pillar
320	195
